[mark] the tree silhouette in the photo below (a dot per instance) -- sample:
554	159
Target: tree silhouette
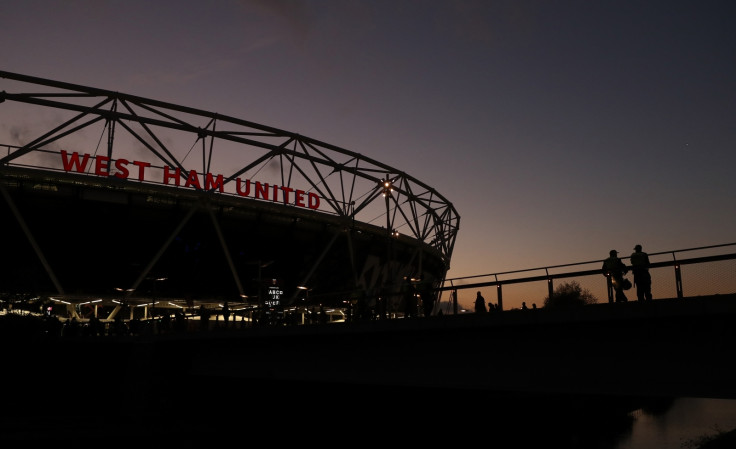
570	294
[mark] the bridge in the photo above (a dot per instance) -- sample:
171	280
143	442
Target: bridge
592	363
668	347
672	346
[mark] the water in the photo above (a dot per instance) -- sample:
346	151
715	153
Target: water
685	421
210	412
602	423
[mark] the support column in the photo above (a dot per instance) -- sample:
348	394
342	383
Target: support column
499	295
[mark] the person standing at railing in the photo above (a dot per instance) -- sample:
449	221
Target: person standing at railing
642	278
614	269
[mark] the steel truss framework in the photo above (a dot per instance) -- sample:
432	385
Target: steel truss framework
352	187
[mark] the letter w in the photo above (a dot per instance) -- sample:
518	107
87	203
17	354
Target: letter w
72	163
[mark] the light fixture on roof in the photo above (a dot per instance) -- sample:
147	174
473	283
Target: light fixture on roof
387	187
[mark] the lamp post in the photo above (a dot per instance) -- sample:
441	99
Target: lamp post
306	301
387	187
155	280
352	213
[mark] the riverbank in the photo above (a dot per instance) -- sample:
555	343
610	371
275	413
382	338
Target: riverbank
724	440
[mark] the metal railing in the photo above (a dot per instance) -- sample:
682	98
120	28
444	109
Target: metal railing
692	272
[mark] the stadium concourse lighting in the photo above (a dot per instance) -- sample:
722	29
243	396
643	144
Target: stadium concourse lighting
147	304
305	288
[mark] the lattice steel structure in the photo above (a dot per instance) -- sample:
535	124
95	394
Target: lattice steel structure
248	183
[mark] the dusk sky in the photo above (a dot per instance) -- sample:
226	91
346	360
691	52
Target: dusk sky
558	129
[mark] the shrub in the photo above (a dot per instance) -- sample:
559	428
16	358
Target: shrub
570	294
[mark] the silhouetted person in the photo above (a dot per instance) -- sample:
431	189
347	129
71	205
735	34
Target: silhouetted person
71	328
180	321
615	270
92	326
225	313
165	323
135	326
523	306
53	326
480	303
204	317
119	328
642	278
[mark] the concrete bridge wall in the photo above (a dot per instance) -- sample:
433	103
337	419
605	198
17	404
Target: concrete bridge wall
677	347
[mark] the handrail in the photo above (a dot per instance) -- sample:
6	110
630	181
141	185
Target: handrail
453	280
671	263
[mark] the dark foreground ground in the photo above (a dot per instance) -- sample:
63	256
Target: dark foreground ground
457	382
205	413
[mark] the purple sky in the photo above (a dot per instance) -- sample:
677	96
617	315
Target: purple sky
559	130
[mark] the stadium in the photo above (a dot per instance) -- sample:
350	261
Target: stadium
117	204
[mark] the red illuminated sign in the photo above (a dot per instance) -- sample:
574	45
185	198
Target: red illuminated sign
124	169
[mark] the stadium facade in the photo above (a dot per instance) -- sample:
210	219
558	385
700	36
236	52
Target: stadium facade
113	197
